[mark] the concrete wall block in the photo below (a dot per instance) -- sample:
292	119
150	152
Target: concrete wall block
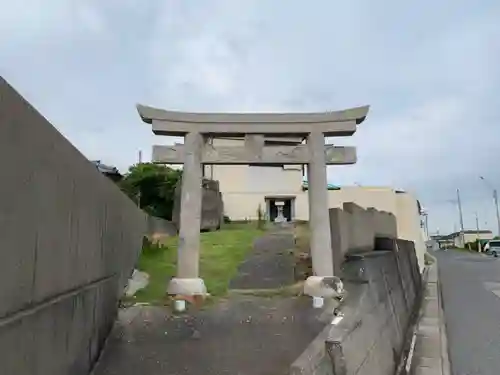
398	300
76	325
397	305
353	269
339	230
403	271
377	312
380	359
368	328
69	239
17	257
384	223
406	277
105	302
17	348
401	311
409	248
374	263
391	273
361	231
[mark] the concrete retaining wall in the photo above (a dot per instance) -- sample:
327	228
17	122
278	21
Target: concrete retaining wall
355	230
69	239
384	292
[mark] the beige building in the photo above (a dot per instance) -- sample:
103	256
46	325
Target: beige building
468	236
248	189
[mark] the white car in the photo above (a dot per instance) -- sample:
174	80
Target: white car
493	248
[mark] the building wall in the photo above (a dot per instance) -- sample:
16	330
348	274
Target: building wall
471	237
245	188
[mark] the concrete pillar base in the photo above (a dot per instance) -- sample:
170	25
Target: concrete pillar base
187	287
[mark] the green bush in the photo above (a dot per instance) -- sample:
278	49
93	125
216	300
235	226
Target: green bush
152	187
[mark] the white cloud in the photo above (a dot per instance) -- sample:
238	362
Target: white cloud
429	70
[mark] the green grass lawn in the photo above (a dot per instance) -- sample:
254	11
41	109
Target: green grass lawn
221	254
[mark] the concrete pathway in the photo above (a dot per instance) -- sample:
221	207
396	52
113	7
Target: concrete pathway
471	297
241	336
270	265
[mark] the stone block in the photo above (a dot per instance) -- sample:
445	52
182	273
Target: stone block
384	223
361	231
212	207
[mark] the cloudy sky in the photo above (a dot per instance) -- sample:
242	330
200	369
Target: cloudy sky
429	70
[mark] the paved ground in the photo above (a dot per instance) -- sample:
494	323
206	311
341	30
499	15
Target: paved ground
471	297
243	336
270	265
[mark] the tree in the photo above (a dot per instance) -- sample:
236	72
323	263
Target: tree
152	187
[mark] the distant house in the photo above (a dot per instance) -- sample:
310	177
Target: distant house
111	172
456	240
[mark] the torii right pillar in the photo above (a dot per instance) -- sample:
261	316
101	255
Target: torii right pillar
319	220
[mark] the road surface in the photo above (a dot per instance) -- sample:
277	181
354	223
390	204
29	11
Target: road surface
471	297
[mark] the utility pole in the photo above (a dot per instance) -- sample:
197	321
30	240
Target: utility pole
140	156
425	222
477	233
459	202
427	225
495	200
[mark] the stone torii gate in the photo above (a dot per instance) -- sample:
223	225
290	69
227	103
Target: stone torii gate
197	128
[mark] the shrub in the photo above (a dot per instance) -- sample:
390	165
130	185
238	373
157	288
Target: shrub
260	218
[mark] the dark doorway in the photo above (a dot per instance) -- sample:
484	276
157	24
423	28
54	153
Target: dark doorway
273	208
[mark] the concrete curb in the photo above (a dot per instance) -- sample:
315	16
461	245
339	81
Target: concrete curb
446	364
289	290
406	362
431	346
314	359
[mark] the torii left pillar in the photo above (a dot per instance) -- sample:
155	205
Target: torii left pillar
187	282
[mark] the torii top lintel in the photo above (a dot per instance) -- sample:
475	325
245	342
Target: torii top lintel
172	123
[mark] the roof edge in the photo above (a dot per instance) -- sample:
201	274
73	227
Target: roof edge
148	114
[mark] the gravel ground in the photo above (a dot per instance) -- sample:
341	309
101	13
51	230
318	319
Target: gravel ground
241	336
